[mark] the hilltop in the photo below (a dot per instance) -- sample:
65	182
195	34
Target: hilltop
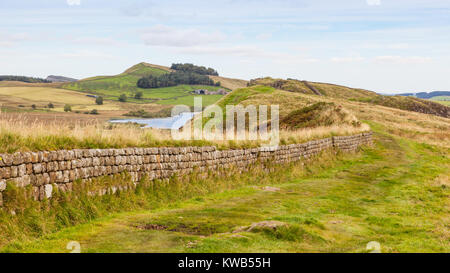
53	78
355	94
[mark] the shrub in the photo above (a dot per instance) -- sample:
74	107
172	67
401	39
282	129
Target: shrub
33	106
94	112
138	95
99	100
67	108
50	105
123	98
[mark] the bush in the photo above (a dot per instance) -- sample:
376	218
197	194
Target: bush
94	112
138	95
99	100
194	69
33	106
123	98
173	79
50	105
67	108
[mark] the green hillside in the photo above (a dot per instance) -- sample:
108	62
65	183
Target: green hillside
445	100
111	87
354	94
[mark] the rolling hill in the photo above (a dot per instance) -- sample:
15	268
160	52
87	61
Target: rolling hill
354	94
426	95
111	87
298	109
53	78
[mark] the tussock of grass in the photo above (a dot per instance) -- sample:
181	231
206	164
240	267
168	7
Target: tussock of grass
319	114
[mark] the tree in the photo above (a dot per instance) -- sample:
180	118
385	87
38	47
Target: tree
99	100
123	98
173	79
33	106
50	105
218	83
138	95
67	108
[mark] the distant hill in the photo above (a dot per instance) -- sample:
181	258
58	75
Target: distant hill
53	78
111	87
336	91
22	79
426	95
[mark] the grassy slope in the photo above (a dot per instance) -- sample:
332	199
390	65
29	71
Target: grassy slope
111	87
445	100
429	129
342	92
396	193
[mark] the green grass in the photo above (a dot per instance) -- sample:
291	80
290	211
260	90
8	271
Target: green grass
445	100
391	193
111	87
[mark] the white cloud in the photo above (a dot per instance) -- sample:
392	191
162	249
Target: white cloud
346	59
96	41
85	54
73	2
402	59
264	36
373	2
9	40
161	35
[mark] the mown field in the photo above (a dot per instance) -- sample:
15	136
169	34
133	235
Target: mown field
42	96
396	193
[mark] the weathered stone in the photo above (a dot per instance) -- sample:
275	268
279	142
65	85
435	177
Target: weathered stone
7	159
37	168
48	190
2	185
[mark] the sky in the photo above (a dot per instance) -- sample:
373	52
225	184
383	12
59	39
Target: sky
388	46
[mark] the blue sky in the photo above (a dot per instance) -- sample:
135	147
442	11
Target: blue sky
389	46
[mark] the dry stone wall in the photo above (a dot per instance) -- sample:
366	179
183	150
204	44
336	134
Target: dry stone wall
47	169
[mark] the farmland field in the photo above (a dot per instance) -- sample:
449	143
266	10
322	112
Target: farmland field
445	100
41	96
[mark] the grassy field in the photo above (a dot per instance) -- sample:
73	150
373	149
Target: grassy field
396	193
111	87
42	96
445	100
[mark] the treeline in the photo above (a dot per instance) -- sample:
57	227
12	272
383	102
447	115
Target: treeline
173	79
23	79
194	69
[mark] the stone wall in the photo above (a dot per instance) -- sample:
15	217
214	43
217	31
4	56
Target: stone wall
45	170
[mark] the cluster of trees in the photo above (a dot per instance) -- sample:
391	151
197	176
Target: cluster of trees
173	79
194	69
23	79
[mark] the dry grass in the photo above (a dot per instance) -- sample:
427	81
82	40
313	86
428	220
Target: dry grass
59	97
229	83
23	133
420	127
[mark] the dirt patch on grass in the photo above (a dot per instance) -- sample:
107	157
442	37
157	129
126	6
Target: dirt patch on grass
152	227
